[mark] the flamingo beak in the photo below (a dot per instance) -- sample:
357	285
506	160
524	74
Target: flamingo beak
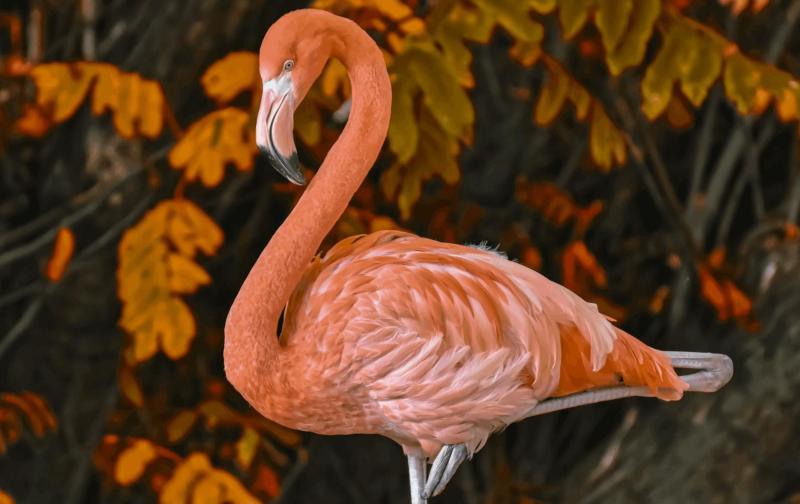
274	127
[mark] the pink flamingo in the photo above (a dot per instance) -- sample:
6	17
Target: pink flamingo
431	344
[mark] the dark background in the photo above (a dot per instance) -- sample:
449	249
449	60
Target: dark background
62	342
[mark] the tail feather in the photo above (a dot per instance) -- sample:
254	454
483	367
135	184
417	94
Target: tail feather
630	362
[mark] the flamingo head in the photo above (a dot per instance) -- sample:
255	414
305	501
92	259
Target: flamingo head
293	53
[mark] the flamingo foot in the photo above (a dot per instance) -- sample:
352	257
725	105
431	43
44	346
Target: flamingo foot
444	467
416	479
714	370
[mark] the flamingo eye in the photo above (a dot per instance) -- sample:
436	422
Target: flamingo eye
288	65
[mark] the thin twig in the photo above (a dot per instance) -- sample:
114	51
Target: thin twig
751	176
703	149
20	293
22	324
87	209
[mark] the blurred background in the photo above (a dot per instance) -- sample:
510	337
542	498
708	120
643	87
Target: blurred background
643	153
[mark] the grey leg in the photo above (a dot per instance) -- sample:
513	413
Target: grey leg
716	369
444	467
416	479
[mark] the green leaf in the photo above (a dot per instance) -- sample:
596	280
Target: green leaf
631	49
573	14
612	20
403	132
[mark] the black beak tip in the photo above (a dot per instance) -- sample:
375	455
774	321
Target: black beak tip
288	167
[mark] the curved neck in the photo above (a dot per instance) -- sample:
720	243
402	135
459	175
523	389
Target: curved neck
251	343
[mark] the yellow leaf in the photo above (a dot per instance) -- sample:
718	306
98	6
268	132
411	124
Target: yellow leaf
196	481
130	387
150	275
176	326
246	447
741	82
606	142
133	461
543	6
185	276
219	138
701	66
308	123
203	232
441	92
787	104
393	9
630	50
403	132
660	77
526	53
435	155
137	104
573	14
216	412
62	254
233	74
179	426
61	88
612	20
335	79
554	92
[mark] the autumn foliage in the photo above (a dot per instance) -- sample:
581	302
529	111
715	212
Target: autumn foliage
576	59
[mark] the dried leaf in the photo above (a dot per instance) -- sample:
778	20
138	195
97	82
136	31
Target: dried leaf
246	448
19	409
133	461
130	387
179	426
606	143
33	122
576	262
688	56
219	138
235	73
62	254
557	206
573	16
155	265
195	480
630	50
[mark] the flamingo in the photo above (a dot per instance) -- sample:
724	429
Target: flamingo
433	345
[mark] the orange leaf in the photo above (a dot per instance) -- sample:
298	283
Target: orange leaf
577	259
155	265
179	426
233	74
267	482
196	481
219	138
33	122
130	387
133	461
62	254
6	498
557	206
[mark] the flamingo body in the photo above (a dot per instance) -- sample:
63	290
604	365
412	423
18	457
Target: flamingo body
432	343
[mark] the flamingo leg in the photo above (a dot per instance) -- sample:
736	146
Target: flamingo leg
416	478
444	467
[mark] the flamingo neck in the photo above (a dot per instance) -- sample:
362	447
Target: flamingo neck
252	352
